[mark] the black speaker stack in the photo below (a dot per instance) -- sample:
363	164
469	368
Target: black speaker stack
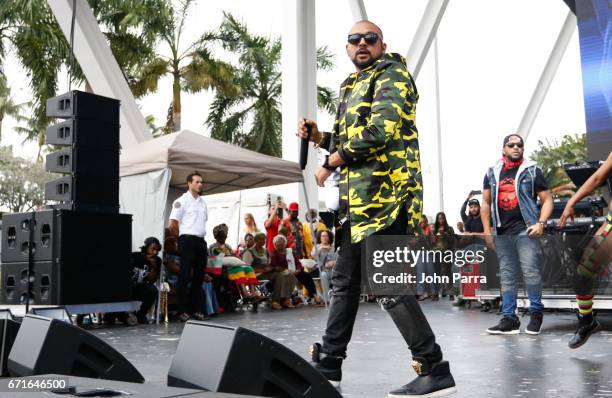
77	250
90	154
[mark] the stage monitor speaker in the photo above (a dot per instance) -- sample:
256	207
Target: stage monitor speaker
50	346
55	312
8	332
84	105
239	361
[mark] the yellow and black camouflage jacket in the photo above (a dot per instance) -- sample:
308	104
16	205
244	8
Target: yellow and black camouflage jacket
375	134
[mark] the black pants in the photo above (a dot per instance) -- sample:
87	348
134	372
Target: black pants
305	279
193	257
406	313
146	293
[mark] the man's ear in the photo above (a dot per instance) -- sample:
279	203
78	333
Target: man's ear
346	47
384	47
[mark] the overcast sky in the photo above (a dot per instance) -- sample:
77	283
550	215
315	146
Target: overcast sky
491	54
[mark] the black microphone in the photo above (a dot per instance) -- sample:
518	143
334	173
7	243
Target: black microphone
304	147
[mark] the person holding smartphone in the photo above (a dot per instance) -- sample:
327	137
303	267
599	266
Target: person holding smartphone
274	222
471	221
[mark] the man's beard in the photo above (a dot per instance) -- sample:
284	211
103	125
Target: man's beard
510	157
363	64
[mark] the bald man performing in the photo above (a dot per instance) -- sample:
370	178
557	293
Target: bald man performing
374	142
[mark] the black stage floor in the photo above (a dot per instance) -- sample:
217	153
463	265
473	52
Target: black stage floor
483	365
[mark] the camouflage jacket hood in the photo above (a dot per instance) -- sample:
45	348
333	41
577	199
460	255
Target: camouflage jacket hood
375	134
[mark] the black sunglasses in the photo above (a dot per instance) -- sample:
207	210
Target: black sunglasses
370	38
513	144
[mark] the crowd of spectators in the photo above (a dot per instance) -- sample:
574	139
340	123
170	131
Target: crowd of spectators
282	266
441	236
289	263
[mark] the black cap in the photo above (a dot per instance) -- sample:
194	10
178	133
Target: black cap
473	202
507	138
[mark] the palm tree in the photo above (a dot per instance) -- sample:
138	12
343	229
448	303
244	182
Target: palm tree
7	106
29	29
193	68
132	28
252	119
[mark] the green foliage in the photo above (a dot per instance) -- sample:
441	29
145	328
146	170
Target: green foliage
252	117
30	30
22	182
192	68
7	106
553	155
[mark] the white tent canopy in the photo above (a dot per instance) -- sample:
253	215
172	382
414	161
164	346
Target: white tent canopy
224	167
149	169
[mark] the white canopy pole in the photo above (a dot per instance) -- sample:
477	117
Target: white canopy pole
299	92
100	67
358	10
438	128
424	35
547	76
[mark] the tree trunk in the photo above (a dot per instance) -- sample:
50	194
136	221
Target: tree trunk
176	101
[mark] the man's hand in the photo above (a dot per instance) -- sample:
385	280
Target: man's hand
315	134
321	174
568	212
535	230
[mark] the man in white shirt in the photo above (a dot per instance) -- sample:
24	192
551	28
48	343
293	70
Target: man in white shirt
188	222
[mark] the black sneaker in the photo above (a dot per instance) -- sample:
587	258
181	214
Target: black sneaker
329	366
535	323
506	326
435	381
587	325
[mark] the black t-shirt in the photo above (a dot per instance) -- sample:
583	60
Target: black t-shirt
473	224
141	267
510	217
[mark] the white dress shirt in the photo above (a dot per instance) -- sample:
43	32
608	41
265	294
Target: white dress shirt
191	214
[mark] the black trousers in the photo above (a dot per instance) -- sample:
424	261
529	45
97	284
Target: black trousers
146	293
405	313
193	257
305	278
